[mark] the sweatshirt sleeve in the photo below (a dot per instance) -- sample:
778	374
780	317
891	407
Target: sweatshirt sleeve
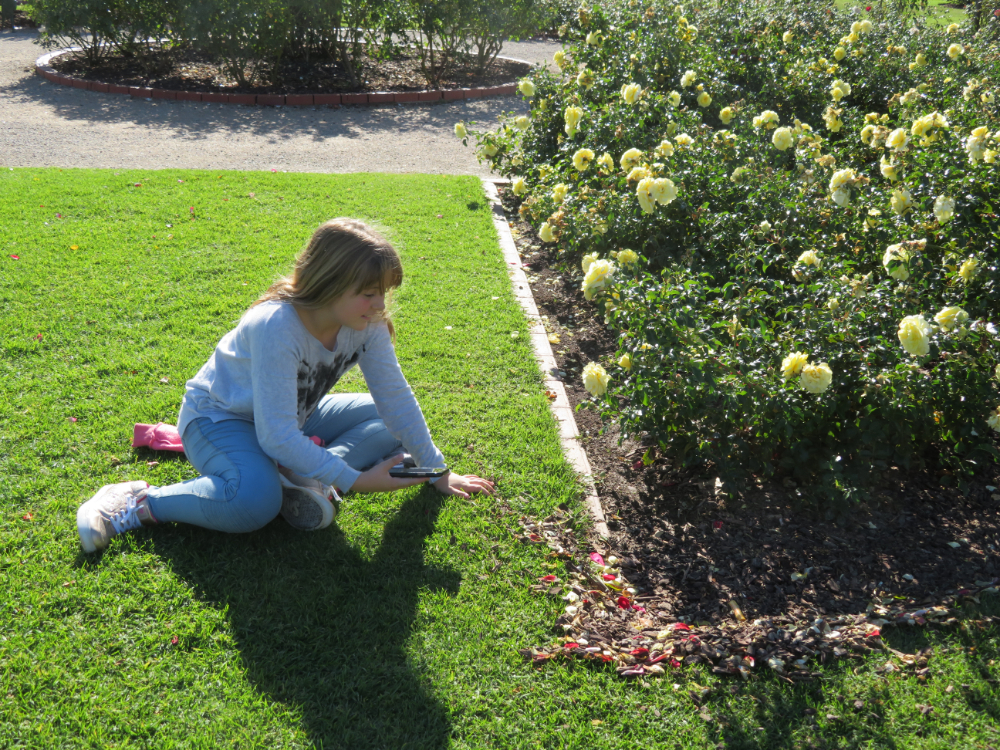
394	399
275	363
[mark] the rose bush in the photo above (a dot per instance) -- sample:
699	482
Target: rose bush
829	197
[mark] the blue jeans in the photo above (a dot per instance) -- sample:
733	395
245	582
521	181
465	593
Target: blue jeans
239	489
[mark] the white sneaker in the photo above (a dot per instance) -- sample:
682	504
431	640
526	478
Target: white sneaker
115	509
307	504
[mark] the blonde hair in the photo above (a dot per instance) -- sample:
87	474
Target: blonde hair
343	255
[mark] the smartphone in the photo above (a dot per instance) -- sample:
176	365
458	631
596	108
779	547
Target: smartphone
400	470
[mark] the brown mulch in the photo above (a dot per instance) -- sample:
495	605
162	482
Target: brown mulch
693	554
188	70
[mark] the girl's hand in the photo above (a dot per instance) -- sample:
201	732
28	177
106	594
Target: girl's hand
463	486
377	478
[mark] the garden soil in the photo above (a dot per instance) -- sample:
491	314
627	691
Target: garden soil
694	554
48	125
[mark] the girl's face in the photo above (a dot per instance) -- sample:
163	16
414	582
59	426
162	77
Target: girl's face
357	310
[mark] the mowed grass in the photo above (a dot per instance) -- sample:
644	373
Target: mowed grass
399	627
938	11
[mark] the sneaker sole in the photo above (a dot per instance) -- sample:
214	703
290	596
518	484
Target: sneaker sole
83	528
305	509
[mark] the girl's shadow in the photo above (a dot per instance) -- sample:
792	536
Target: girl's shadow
324	630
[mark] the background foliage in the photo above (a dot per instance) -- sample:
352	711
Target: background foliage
252	36
721	292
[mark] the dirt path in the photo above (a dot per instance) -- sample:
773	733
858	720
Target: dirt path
42	124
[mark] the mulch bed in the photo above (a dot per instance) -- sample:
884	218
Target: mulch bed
19	21
697	557
188	70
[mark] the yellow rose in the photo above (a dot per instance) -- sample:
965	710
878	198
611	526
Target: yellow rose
726	115
630	158
782	139
897	139
526	87
674	98
684	139
545	233
625	362
914	335
688	78
816	378
663	191
839	89
638	173
951	317
994	419
787	37
519	186
704	99
582	159
866	134
606	161
792	364
665	149
888	170
460	130
841	178
559	192
895	261
866	26
968	270
587	261
840	53
644	192
573	115
598	276
809	258
595	379
490	150
523	122
559	58
585	78
944	208
952	28
955	51
627	257
594	38
901	201
631	92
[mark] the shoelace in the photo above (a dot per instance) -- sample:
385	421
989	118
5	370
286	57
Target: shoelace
127	518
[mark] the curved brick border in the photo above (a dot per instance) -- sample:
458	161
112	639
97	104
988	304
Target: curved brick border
46	71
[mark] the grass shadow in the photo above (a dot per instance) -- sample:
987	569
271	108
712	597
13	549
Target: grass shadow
323	629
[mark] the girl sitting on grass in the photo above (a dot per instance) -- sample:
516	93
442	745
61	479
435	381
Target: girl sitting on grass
246	416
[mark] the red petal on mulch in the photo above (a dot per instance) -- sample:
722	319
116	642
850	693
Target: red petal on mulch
640	653
675	664
571	645
875	633
637	608
680	626
624	603
608	577
548	579
605	657
534	537
716	524
597	558
637	465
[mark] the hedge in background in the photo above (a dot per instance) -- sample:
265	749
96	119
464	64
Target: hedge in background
789	212
251	37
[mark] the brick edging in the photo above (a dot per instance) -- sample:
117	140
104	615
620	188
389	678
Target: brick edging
569	434
46	71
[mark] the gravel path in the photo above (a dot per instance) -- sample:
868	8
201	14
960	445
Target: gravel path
43	124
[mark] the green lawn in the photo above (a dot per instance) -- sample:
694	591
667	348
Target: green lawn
398	628
937	10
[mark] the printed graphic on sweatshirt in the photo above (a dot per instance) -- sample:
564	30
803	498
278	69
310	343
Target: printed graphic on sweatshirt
316	382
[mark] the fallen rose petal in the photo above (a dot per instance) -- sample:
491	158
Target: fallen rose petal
623	602
15	257
640	652
173	641
72	419
534	537
597	558
28	517
675	664
138	184
571	644
608	577
680	626
716	524
637	608
548	579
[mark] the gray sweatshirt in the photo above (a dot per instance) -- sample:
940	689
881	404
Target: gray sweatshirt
271	371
